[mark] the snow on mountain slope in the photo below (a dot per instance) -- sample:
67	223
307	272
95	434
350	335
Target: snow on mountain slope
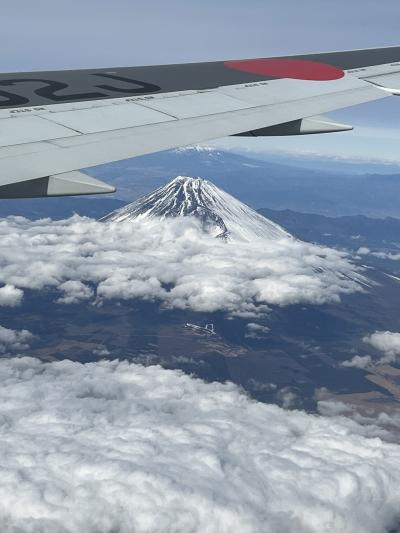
221	214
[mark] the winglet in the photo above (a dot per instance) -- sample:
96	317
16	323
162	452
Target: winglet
68	184
76	183
303	126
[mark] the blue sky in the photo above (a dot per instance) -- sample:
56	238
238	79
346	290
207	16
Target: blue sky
92	33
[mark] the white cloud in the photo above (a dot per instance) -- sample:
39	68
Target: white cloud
10	296
381	255
288	398
387	342
114	446
101	351
256	331
13	340
259	386
363	250
74	292
387	255
379	424
358	361
171	261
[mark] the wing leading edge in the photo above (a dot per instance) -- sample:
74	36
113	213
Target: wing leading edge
53	124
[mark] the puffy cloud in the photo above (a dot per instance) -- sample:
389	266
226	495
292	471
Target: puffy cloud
386	342
256	331
10	296
259	386
101	351
363	250
13	340
387	255
358	361
113	446
172	261
381	255
74	292
288	398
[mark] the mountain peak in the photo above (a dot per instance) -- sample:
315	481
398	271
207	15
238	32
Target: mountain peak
186	181
221	214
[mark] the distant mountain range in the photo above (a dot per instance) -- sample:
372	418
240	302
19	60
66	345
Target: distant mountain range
337	190
220	214
267	183
349	231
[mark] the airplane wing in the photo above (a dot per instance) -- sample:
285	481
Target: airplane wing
54	123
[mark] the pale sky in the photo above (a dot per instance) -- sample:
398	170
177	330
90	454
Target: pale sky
54	34
86	33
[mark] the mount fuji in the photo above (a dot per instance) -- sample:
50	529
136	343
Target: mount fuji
221	215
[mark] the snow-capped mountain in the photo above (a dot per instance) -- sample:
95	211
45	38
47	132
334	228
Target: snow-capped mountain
221	214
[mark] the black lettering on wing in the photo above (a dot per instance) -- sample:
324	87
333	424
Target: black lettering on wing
48	91
140	87
12	100
51	89
54	86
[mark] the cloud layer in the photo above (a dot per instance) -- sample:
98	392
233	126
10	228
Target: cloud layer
172	261
113	446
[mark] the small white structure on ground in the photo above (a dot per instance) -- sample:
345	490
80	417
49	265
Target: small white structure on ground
208	328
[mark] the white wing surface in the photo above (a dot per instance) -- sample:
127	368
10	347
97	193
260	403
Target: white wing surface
53	124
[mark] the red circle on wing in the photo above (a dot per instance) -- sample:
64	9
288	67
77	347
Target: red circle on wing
297	69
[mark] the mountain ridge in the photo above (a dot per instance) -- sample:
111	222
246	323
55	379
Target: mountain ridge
220	214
